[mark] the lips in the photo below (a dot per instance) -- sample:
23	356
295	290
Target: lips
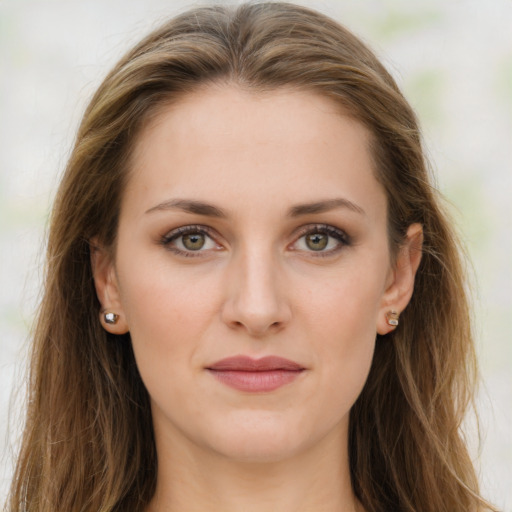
256	375
247	364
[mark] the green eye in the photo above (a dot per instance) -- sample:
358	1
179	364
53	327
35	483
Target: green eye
193	241
321	240
317	241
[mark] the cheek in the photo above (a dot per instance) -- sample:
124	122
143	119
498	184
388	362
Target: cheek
167	314
342	319
345	304
159	294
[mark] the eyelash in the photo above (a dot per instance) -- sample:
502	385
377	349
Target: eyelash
175	234
340	236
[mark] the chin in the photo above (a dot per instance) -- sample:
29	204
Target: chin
259	439
257	449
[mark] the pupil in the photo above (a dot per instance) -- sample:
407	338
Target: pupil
194	241
316	241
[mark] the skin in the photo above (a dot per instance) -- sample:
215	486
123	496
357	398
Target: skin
254	288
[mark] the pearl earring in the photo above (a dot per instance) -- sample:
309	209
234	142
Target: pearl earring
392	318
110	318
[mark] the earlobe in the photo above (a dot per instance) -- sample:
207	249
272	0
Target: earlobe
111	315
401	286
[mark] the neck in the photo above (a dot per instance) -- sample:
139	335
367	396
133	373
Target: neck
190	478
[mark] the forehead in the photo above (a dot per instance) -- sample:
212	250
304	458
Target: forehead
214	115
231	143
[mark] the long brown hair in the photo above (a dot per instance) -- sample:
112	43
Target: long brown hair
88	442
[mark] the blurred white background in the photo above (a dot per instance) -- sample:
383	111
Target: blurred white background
452	59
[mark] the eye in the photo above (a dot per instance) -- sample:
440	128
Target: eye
322	239
317	241
187	240
193	241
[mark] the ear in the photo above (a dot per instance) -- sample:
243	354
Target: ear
107	288
400	283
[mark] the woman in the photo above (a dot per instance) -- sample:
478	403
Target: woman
229	320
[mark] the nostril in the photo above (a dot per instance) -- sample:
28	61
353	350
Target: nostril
255	313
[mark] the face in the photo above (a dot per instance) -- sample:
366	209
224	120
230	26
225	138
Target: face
252	227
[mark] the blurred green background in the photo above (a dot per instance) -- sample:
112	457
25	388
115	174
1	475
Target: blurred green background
452	59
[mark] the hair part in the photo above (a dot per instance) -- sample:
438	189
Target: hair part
88	442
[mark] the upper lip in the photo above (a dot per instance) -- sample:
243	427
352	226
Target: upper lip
248	364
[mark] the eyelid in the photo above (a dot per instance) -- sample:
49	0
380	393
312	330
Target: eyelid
184	230
342	238
338	234
176	233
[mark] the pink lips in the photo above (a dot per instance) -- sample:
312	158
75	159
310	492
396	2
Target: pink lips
255	375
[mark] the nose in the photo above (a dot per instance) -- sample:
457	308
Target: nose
255	296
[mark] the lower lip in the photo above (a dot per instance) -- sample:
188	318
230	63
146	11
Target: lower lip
255	382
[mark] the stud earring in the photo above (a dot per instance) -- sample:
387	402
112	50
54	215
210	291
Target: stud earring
392	318
110	318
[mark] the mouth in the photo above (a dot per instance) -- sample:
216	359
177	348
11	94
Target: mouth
256	375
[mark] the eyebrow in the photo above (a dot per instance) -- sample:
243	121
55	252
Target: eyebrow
209	210
190	206
324	206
